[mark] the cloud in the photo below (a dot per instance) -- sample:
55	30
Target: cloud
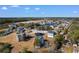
15	6
37	9
4	8
27	8
75	11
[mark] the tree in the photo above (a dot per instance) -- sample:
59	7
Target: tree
58	41
74	31
59	38
65	31
37	41
5	48
74	35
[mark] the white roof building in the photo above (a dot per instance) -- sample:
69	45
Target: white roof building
51	34
39	31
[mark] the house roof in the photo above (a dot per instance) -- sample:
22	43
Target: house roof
39	34
52	32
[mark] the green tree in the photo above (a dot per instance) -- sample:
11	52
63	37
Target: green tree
65	31
37	41
59	38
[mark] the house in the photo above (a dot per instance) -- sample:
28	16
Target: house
21	35
51	34
39	31
10	29
39	40
12	26
52	24
75	48
7	31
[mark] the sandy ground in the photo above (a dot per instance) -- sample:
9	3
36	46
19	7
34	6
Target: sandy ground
18	46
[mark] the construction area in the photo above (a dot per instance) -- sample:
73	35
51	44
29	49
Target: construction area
38	37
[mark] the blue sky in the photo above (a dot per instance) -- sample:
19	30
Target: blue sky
39	10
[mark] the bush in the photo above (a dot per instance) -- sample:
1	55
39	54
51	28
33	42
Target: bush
1	33
59	38
5	48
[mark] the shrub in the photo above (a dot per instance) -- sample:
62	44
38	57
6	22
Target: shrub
5	48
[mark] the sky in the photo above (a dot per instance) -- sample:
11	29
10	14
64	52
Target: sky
39	10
